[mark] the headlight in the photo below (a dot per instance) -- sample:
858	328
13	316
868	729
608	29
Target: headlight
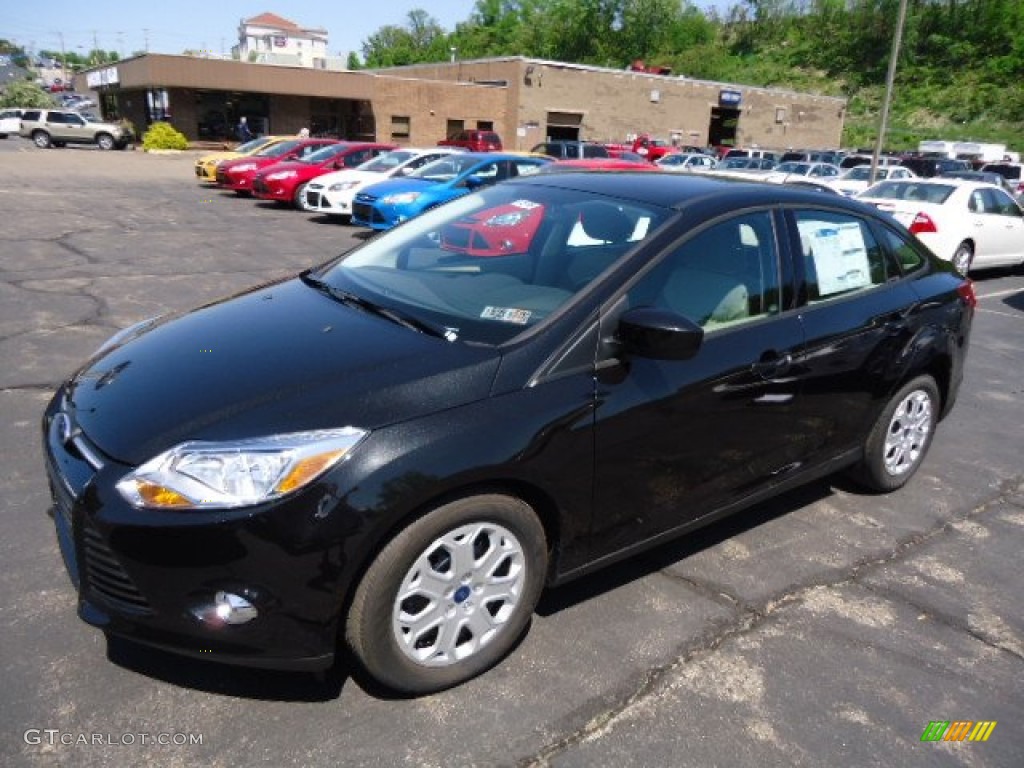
506	219
279	175
400	198
203	475
243	168
124	334
342	185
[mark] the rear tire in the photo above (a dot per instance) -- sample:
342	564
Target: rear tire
41	139
900	438
963	257
450	594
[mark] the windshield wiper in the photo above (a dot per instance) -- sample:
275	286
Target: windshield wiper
355	300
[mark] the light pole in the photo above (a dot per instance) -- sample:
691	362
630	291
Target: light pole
889	79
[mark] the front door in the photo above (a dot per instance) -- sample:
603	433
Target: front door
677	439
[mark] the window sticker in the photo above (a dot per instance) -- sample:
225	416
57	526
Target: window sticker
507	315
839	253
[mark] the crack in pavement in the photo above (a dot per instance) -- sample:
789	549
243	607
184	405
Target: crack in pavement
748	618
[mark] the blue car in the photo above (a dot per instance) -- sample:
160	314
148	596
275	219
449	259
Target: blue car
389	203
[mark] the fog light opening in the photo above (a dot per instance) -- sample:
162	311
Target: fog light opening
227	608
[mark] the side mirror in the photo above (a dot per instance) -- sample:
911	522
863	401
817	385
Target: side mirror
659	334
473	182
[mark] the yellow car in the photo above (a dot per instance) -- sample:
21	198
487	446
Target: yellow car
206	166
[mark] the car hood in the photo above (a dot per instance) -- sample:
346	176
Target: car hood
279	358
350	175
395	186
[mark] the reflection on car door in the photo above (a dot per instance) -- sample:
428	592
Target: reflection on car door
856	321
675	439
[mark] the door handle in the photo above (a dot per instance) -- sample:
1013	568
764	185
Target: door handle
772	364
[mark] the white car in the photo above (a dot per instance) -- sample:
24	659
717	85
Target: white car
685	161
791	169
856	180
973	224
332	193
10	122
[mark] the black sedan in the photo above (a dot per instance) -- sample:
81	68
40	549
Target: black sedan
395	452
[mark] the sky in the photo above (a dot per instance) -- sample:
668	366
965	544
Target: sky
127	27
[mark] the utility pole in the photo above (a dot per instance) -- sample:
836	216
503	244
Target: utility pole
95	57
63	59
145	33
889	80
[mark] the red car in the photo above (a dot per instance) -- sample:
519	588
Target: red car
238	174
286	181
652	149
474	141
598	164
507	229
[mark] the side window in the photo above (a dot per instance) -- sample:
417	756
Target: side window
1001	203
977	202
74	120
725	275
905	254
56	118
840	254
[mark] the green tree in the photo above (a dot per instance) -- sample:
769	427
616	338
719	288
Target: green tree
24	93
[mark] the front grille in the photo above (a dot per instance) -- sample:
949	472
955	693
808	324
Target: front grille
258	185
107	578
313	200
222	176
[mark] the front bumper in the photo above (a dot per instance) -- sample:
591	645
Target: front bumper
153	576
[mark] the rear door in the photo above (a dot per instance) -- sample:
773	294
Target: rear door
857	315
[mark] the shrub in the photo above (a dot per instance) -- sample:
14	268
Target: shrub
164	136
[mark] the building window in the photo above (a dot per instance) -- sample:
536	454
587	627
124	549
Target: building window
780	115
400	127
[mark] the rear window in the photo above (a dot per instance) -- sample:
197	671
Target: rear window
909	190
1005	170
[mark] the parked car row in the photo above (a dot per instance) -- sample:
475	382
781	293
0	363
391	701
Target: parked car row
972	222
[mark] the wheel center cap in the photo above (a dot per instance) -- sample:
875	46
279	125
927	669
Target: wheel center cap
461	594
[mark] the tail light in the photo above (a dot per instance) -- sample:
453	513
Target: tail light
922	223
966	292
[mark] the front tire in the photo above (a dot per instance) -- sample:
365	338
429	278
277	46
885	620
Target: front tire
900	438
105	142
41	139
450	594
298	199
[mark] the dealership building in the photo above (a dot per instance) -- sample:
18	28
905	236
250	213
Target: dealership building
525	100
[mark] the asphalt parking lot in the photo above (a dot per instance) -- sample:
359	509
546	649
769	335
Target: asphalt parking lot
828	628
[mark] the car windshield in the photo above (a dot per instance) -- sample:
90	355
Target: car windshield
738	162
492	264
910	190
276	150
791	167
445	169
387	162
325	154
252	144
